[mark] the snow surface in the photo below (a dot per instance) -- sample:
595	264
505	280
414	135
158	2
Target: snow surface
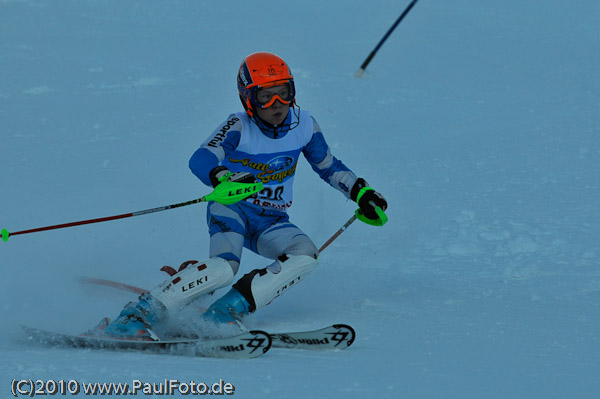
479	122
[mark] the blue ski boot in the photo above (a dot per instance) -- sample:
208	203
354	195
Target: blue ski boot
229	309
134	322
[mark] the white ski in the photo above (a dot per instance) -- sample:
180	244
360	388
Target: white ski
246	345
337	336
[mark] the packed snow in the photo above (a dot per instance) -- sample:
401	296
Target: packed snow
479	122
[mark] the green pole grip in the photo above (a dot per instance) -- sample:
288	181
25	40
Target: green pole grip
228	193
380	221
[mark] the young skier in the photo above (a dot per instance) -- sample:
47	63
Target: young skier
261	144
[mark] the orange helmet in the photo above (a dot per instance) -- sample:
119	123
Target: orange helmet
264	70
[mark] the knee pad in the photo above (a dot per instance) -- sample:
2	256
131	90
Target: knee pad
285	239
261	286
192	282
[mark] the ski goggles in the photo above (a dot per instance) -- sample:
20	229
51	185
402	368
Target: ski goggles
264	97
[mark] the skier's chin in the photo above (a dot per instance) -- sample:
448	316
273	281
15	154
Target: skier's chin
278	118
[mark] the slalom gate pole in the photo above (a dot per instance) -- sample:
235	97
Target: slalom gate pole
224	193
362	68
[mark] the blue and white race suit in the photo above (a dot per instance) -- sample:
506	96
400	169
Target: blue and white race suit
261	224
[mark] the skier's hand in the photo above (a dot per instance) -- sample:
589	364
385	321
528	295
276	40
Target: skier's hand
369	200
221	174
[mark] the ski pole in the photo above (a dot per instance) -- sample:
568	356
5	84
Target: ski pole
225	193
357	215
114	284
337	233
362	68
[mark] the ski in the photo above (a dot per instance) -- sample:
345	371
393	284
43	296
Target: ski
247	345
337	336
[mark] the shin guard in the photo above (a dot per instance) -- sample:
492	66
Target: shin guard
192	282
261	286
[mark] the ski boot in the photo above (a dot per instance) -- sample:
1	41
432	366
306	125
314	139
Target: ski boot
133	323
229	309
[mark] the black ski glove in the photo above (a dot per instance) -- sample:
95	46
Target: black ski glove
220	172
369	200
